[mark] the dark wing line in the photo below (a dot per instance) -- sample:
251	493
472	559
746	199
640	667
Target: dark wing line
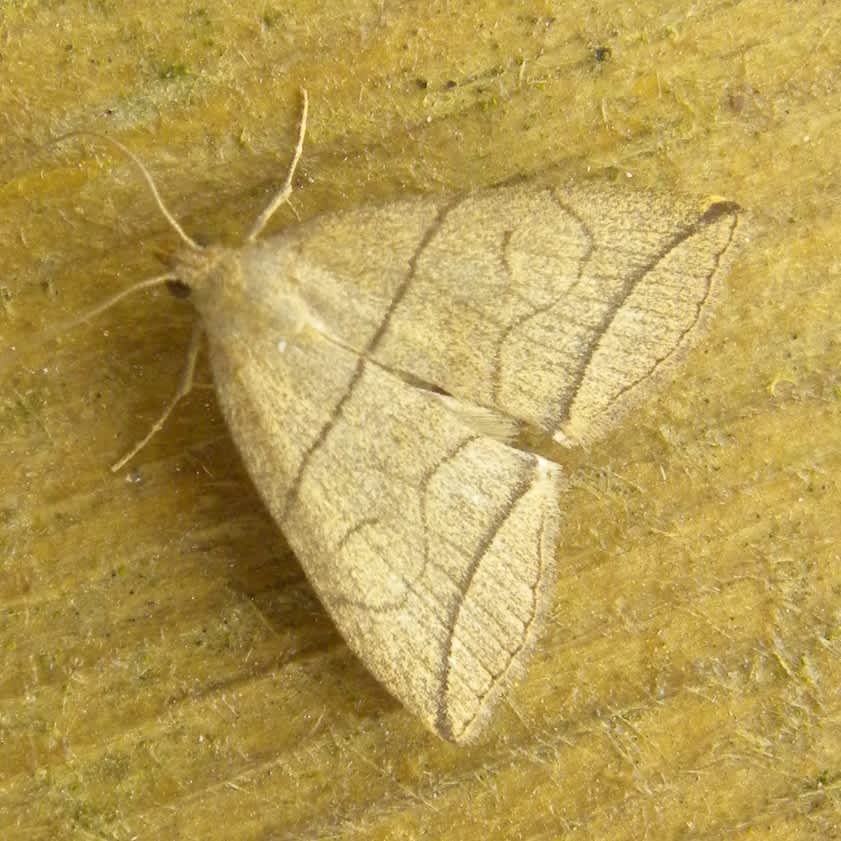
699	310
554	419
400	603
433	229
410	589
513	325
435	226
442	718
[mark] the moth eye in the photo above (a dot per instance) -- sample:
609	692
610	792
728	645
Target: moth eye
178	289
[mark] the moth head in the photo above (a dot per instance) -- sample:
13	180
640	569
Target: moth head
205	274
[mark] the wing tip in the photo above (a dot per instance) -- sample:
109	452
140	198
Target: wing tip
547	485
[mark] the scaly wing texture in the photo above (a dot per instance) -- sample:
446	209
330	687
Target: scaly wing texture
431	545
561	308
430	541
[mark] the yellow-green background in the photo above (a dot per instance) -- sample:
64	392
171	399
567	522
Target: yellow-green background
167	673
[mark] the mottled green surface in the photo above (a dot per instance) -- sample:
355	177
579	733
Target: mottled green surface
167	672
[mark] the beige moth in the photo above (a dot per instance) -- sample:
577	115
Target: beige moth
376	366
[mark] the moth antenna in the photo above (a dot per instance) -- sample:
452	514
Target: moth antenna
285	191
51	333
141	167
100	308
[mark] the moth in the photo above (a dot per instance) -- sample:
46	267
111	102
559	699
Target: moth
376	365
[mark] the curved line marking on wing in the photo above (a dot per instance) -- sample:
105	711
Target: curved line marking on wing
397	604
555	419
442	719
536	311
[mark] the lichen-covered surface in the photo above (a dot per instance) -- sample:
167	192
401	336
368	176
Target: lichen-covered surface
165	670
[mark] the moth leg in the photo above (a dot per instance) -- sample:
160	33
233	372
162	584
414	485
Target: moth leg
185	384
285	191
